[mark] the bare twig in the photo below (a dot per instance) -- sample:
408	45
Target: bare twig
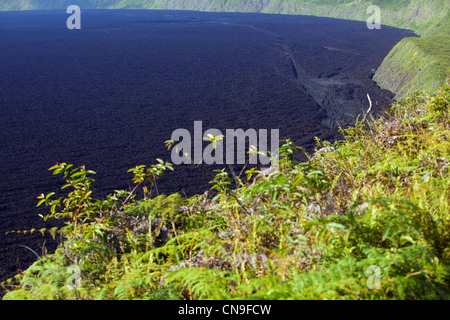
39	257
245	166
368	110
236	179
129	196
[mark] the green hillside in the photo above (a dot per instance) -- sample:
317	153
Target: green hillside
418	63
414	64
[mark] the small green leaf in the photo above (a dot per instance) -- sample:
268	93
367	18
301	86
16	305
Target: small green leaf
289	239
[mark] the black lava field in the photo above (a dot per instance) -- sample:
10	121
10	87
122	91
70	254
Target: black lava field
107	96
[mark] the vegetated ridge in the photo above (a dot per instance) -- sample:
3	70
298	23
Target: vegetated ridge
413	64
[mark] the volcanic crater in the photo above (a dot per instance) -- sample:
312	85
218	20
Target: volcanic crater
107	96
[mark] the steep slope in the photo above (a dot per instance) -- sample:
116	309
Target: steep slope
417	63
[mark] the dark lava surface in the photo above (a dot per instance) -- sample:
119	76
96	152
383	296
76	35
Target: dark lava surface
108	96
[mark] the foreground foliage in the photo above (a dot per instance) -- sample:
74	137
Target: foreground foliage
366	218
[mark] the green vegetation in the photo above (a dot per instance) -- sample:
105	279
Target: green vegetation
377	200
417	62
